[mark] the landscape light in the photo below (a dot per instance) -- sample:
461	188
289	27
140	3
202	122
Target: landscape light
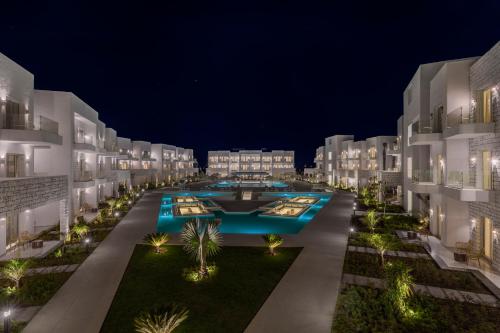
117	214
6	321
351	229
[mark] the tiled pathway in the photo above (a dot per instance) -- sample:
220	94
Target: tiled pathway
437	292
403	254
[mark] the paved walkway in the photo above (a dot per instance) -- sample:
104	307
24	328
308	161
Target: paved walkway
437	292
83	301
52	269
402	254
305	298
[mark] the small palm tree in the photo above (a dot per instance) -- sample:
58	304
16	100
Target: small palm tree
201	239
80	230
371	220
161	320
15	270
157	240
272	242
380	244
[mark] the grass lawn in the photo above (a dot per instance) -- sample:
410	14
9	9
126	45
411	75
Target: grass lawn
423	270
361	239
226	302
362	309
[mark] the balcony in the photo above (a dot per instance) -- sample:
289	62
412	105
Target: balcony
464	124
463	187
46	131
143	172
83	179
422	181
84	143
425	136
394	150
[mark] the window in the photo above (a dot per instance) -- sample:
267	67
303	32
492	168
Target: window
409	167
329	166
329	155
487	238
409	94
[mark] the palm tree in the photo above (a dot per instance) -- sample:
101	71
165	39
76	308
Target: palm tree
272	242
201	239
157	240
371	220
161	320
15	270
80	230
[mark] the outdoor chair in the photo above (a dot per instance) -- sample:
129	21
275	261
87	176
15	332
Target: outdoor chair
25	238
474	254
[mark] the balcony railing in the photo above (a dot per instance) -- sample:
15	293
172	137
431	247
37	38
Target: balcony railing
459	116
460	179
422	176
86	139
83	176
48	125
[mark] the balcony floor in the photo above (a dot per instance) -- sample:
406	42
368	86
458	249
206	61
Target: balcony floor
445	255
23	252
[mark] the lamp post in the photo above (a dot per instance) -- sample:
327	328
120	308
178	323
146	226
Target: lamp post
87	244
6	321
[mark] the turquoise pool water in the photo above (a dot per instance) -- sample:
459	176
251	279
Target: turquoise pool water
242	223
266	183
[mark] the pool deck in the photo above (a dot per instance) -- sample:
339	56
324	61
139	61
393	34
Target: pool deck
303	301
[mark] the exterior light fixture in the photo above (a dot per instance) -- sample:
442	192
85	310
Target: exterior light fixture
351	229
117	214
129	202
6	320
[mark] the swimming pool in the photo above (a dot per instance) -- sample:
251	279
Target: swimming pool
242	222
249	184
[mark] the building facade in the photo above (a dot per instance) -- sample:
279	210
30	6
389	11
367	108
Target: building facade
58	160
451	150
276	163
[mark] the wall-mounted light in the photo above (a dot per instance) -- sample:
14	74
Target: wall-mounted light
431	212
473	160
495	235
494	162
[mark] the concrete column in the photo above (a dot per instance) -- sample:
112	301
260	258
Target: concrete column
64	216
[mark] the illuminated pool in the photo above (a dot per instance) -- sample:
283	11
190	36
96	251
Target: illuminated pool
249	184
243	222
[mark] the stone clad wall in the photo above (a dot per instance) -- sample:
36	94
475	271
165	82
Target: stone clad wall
31	192
484	74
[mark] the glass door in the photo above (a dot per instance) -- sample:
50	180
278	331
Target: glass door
487	238
12	227
487	170
487	106
439	221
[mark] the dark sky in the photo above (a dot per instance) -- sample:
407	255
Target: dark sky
242	74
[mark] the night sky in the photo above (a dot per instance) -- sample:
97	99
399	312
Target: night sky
235	74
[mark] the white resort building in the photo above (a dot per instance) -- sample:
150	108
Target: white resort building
58	160
444	161
451	149
343	161
246	163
